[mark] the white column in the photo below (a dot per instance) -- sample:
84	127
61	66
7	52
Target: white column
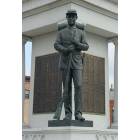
24	40
115	123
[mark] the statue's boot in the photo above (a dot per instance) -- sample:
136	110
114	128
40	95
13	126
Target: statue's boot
68	117
79	117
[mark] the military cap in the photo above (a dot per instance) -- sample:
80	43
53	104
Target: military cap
71	11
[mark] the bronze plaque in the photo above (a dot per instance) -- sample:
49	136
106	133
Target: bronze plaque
93	92
48	81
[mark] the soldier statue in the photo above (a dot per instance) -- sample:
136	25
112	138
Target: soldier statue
71	41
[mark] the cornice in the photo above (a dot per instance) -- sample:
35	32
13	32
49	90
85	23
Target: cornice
26	38
45	7
82	3
95	8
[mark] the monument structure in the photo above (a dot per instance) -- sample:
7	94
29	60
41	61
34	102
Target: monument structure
41	20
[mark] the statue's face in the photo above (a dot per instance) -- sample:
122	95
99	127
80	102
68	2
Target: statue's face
71	18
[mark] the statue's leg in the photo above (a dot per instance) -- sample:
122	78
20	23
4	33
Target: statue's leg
68	96
77	79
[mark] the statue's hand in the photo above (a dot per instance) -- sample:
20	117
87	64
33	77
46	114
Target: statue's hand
75	42
71	48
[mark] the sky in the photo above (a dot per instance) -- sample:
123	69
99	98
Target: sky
28	52
111	51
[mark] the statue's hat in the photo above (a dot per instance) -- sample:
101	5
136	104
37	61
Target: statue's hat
71	11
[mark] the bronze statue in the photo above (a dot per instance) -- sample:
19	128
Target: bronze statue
70	42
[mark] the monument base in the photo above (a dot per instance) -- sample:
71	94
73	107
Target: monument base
69	133
61	123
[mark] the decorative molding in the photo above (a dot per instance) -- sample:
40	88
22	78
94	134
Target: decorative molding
96	8
71	129
32	29
114	40
113	1
82	3
25	39
32	134
33	137
45	7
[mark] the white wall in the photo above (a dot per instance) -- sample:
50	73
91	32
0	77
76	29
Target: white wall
101	21
43	45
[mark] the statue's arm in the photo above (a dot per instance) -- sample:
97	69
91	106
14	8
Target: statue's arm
59	47
83	45
58	44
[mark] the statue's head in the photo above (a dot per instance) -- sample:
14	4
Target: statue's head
71	16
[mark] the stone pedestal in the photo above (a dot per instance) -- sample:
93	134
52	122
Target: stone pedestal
69	133
61	123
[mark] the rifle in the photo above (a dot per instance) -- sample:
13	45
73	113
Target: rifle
65	93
